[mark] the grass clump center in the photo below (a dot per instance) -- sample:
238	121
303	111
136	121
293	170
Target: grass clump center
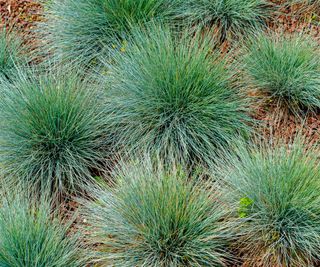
287	69
157	218
52	131
174	97
277	191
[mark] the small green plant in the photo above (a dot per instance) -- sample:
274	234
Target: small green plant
83	30
230	17
53	130
156	217
287	68
32	235
174	96
279	213
11	53
244	206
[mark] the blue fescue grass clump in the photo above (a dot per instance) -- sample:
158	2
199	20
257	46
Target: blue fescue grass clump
153	216
277	188
12	53
230	17
52	130
81	30
32	235
287	68
173	96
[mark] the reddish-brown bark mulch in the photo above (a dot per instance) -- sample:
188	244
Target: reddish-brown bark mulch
21	14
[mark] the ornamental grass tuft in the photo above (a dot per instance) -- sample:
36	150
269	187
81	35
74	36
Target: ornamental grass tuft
285	68
230	17
174	97
156	217
53	130
80	31
277	191
12	53
33	235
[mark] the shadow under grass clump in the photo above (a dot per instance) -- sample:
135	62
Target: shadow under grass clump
286	69
277	188
80	31
156	217
53	130
33	235
174	97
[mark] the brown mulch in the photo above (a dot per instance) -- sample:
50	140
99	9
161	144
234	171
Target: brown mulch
21	17
297	18
279	123
21	14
